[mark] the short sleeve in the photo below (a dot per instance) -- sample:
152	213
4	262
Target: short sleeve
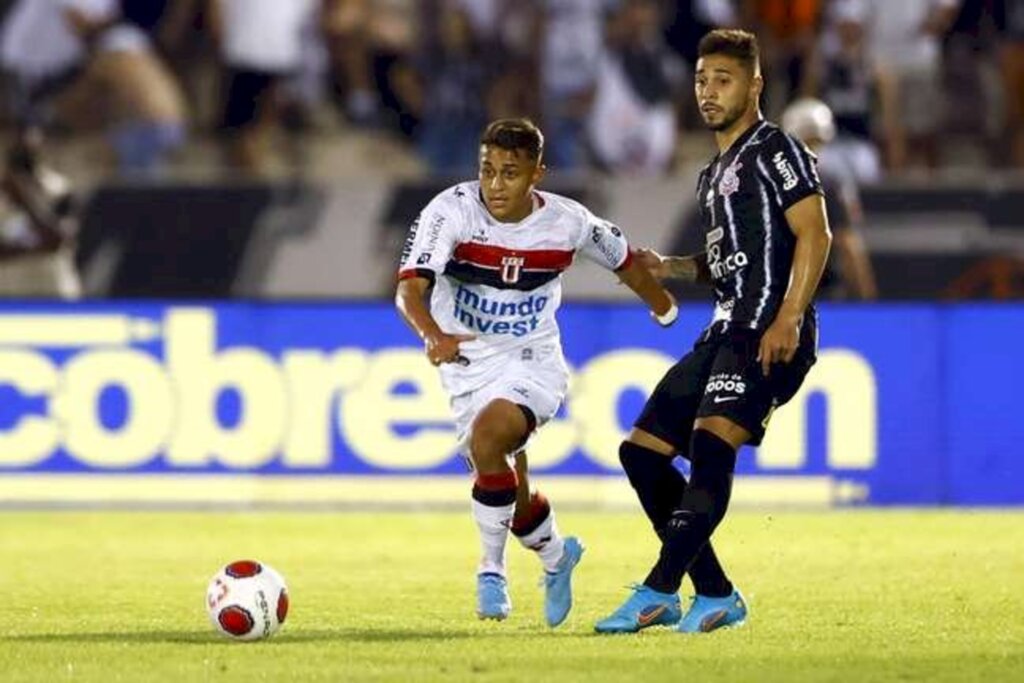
604	243
790	170
430	242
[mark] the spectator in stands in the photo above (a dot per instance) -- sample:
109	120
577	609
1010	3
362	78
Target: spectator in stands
903	40
510	31
848	274
454	80
79	63
687	21
125	88
345	24
632	124
393	34
568	75
787	29
261	45
843	77
40	55
1009	19
37	225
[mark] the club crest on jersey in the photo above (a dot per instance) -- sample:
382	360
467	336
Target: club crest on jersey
511	267
730	181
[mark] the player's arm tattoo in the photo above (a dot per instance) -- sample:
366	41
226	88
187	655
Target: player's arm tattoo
692	268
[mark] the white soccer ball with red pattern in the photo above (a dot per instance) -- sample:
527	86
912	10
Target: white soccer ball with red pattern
247	600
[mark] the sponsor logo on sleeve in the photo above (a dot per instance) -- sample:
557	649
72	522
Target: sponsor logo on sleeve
410	239
785	169
612	248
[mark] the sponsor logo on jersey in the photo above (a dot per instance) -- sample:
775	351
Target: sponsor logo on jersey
516	317
785	169
730	182
726	386
714	236
723	266
434	234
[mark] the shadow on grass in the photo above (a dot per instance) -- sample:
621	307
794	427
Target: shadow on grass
352	635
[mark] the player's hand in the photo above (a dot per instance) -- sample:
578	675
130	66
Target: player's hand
652	261
779	342
444	348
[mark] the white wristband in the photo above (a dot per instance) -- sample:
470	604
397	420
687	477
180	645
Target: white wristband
668	317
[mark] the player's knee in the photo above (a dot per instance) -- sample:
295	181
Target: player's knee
631	455
708	446
483	445
491	443
500	427
722	428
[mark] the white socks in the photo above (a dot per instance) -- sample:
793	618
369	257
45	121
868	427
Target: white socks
546	542
494	523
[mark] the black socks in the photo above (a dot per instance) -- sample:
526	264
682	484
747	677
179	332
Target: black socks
660	488
688	530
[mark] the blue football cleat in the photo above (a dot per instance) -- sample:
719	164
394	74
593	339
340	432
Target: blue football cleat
558	584
707	614
646	607
492	601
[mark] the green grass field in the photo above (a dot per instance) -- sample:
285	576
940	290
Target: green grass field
844	596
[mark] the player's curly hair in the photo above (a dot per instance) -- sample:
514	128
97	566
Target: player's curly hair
735	43
515	134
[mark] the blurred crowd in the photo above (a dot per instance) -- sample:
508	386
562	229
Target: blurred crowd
609	80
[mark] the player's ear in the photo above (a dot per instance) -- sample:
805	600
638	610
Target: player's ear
757	86
539	171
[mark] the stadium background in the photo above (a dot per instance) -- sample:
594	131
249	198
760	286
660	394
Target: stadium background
230	342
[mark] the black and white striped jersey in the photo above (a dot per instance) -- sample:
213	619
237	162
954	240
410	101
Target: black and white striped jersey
743	195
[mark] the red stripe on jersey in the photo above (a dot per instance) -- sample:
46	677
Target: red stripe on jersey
410	273
534	259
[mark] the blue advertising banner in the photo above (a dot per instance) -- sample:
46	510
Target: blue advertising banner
907	405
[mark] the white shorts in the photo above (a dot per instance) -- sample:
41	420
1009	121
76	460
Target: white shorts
538	386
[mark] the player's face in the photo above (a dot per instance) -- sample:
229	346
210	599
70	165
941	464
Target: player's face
725	90
507	179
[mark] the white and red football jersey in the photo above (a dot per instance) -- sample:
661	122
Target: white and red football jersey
502	281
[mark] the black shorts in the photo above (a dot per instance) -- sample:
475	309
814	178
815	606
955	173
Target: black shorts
247	96
722	376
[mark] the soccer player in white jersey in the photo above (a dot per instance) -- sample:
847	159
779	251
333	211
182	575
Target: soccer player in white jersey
489	255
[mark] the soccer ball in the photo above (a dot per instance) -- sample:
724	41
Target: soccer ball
247	600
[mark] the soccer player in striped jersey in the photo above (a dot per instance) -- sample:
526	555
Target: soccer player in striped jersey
767	240
489	254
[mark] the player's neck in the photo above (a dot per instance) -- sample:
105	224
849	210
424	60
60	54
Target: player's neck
725	138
